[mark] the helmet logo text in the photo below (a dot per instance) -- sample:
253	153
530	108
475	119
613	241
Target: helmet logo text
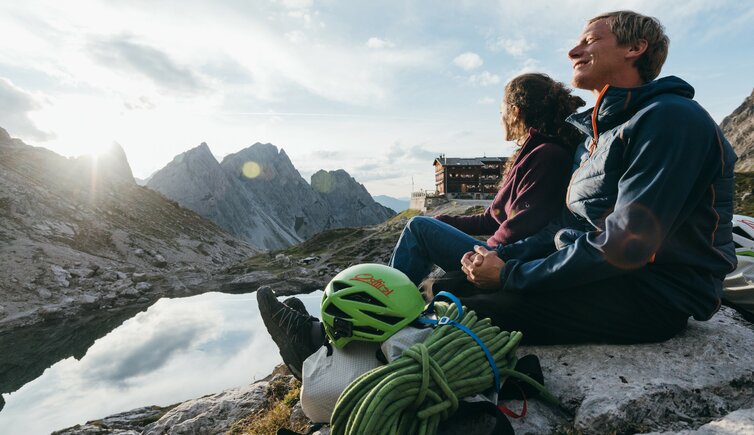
748	222
379	284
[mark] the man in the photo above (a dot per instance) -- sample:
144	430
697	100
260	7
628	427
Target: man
646	240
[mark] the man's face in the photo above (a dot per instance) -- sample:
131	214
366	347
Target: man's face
597	58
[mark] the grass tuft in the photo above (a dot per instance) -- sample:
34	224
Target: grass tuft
275	416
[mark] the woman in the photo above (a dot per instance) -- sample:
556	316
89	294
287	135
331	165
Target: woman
532	190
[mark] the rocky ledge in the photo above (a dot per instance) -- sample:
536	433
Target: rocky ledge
701	382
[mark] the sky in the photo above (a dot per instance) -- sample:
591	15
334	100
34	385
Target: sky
378	88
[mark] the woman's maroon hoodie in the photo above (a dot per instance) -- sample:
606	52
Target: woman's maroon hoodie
532	194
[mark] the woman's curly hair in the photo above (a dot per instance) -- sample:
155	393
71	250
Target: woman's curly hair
543	104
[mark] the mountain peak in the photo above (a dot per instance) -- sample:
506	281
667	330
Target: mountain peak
4	136
349	201
112	164
266	152
199	152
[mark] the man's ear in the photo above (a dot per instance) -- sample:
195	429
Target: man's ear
637	49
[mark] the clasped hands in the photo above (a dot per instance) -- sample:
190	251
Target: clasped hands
482	267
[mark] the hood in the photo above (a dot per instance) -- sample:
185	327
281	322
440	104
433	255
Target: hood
616	105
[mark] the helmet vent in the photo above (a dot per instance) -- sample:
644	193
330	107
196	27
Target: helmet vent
390	320
340	285
741	232
367	330
364	297
336	312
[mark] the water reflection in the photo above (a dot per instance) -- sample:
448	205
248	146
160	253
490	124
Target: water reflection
27	352
176	350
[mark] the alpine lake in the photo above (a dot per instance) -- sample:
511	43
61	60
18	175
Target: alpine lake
70	371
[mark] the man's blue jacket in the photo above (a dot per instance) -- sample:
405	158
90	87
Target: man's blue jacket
650	203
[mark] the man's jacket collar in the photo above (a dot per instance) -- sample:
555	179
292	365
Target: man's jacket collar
616	105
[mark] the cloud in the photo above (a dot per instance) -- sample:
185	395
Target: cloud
326	154
468	61
297	4
141	103
147	356
15	105
514	47
398	161
149	341
296	36
418	152
123	53
399	153
371	172
529	65
378	43
485	78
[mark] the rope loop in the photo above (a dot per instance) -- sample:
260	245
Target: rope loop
431	371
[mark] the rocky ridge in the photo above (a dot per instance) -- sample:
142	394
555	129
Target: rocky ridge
349	202
78	236
198	182
738	128
258	195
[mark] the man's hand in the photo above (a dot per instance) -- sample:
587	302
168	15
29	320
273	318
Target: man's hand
482	267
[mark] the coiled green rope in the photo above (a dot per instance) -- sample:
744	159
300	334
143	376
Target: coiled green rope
414	393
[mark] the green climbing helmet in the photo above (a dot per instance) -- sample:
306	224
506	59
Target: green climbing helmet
369	302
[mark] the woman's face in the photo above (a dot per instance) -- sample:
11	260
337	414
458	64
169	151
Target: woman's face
506	122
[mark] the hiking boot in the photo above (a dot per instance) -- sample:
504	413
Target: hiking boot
290	329
296	304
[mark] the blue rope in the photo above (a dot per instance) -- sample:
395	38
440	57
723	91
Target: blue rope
453	322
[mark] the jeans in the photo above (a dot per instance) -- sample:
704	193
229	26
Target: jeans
614	310
425	242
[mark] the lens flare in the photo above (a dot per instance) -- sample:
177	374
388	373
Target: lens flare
251	169
633	237
323	182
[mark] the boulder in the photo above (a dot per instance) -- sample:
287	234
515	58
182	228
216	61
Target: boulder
109	275
159	261
703	374
130	292
737	422
143	286
125	423
60	275
212	414
83	272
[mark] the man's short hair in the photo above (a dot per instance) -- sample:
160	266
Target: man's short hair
629	27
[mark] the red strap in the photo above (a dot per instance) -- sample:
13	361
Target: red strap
507	411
